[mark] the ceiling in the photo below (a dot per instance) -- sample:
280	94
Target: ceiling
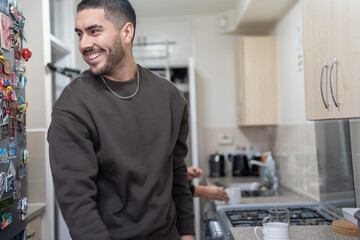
161	8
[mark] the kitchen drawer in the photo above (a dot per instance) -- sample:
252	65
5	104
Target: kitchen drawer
33	229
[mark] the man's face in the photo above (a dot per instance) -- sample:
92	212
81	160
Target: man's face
99	42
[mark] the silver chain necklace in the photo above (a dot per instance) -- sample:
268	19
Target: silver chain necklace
121	97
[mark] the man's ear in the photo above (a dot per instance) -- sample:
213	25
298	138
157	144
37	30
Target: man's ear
127	33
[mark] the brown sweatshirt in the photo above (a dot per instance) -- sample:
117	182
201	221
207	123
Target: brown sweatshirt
118	164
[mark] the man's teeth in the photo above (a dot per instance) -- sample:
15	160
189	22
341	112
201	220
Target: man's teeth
94	55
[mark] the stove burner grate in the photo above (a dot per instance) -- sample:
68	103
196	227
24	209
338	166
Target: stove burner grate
298	217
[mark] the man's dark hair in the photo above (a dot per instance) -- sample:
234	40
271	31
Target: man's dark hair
118	11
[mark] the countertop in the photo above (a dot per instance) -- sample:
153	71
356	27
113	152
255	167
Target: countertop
296	233
35	210
285	196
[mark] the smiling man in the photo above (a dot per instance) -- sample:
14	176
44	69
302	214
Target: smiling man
118	138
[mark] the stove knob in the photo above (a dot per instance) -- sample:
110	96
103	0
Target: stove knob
216	231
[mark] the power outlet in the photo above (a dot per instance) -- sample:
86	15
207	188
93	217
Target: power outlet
225	139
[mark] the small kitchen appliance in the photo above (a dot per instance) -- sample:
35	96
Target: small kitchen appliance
239	160
240	165
216	163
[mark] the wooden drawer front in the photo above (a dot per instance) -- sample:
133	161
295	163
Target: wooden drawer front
33	229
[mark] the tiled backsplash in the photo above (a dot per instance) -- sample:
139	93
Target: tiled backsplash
293	147
355	149
256	137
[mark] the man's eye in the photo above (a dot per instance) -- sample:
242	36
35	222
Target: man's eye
94	31
79	35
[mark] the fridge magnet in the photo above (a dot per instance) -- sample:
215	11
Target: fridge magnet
6	203
6	220
7	67
10	93
5	3
16	10
4	6
24	208
21	171
17	54
12	126
20	66
5	132
12	150
14	37
26	54
25	156
9	183
1	54
11	169
21	110
4	158
2	185
5	27
16	190
5	79
4	113
24	36
20	80
22	139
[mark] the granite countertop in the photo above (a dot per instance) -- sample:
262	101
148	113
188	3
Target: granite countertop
296	233
35	210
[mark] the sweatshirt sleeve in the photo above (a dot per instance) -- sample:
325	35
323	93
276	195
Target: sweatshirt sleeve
74	168
181	194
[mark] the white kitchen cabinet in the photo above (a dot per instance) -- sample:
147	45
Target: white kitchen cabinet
331	58
33	229
256	81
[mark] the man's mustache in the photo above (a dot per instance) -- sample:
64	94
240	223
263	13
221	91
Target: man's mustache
90	50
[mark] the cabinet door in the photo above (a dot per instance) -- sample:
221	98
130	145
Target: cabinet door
33	229
346	73
317	40
258	81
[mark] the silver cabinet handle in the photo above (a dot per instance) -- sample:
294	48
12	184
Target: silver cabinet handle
321	89
331	88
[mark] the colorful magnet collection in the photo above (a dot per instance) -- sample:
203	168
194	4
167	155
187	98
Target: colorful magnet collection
13	154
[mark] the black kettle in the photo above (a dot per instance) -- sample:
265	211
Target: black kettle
240	166
216	163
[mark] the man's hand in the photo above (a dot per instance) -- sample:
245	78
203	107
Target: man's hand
187	237
216	193
193	172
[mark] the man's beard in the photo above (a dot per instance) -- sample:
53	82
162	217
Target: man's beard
115	59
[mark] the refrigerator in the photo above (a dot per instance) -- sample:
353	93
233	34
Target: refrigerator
14	156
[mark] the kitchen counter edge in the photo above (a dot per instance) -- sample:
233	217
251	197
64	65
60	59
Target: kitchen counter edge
35	210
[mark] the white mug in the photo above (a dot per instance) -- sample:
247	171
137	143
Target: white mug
274	231
234	194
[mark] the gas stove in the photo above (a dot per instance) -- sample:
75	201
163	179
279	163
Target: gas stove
299	216
251	215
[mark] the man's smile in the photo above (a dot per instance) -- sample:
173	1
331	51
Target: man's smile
92	55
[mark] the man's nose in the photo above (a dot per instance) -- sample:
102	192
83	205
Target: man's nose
85	42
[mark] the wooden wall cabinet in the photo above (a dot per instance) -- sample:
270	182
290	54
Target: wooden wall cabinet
331	40
256	81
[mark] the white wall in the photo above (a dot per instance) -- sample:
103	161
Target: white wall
215	73
288	34
159	30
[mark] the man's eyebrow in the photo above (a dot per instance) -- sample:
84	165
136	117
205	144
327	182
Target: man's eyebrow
89	27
